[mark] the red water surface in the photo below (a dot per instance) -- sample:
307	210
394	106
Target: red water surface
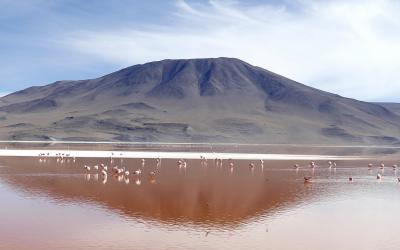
53	205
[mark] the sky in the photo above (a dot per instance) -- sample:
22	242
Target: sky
348	47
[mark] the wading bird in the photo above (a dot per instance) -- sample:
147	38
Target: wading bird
231	167
307	179
251	166
152	174
87	168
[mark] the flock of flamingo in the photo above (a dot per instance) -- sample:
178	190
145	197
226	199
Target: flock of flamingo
312	165
121	173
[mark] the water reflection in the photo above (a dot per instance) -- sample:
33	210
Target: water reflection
222	200
187	192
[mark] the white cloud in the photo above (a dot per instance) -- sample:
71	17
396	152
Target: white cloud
346	47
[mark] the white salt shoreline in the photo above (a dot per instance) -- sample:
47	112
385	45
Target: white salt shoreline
169	155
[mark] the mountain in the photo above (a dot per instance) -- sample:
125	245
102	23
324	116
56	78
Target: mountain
394	107
195	100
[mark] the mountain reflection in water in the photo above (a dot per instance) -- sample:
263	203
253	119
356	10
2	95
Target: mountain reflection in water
49	205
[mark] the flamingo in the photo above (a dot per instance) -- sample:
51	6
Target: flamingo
137	172
231	167
115	170
296	166
379	176
182	163
118	171
307	179
251	166
104	181
87	168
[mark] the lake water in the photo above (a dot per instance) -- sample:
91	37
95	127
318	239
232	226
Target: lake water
53	205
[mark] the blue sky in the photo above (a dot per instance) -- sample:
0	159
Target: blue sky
347	47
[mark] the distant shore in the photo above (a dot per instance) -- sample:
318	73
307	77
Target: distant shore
166	155
209	144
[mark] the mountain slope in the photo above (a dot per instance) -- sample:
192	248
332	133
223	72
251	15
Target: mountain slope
394	107
209	100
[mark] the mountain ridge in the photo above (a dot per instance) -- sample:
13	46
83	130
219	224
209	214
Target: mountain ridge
212	99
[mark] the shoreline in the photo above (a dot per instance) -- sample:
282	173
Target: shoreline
169	155
208	144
